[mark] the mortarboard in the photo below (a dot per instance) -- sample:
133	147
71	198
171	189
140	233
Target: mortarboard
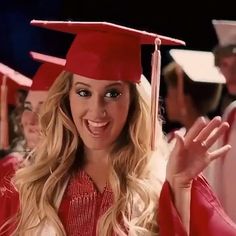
225	31
14	81
47	72
103	50
198	65
11	80
226	34
106	51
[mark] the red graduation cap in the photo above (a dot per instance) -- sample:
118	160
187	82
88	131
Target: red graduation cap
13	80
106	51
10	80
47	72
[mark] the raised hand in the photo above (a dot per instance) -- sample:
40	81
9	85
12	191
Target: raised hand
191	154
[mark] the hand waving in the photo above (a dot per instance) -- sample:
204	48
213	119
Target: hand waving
191	154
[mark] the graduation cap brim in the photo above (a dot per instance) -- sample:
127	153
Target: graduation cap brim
77	27
198	65
225	31
15	76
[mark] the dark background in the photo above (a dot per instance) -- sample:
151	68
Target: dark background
189	21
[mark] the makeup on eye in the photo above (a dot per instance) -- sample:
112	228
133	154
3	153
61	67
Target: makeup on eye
27	106
109	93
113	93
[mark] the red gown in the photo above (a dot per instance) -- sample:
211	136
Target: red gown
82	205
9	201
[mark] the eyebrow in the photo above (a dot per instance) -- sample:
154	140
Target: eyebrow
109	85
28	102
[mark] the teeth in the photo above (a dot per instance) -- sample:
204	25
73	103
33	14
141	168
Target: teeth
97	124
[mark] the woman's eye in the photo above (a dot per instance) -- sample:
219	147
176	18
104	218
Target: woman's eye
113	94
27	107
83	93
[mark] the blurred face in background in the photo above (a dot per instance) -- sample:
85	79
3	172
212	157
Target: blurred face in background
172	104
30	118
227	66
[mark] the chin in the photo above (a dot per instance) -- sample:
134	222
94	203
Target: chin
97	145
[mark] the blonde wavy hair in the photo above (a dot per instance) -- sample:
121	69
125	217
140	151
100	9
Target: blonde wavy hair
137	188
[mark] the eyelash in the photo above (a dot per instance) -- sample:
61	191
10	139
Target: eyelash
114	93
27	107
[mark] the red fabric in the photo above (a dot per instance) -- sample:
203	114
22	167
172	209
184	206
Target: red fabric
9	200
45	76
105	51
7	166
82	205
80	27
169	220
207	215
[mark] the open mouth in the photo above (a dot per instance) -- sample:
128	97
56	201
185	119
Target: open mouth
96	129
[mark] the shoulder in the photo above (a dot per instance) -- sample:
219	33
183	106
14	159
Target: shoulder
229	110
9	164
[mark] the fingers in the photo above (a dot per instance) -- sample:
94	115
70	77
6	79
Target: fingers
199	124
219	152
179	139
206	131
211	139
206	134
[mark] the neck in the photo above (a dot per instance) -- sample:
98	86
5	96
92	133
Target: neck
98	157
189	119
97	167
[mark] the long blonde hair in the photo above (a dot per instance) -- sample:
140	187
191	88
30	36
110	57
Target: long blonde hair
137	188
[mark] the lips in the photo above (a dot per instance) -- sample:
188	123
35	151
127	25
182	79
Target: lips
95	128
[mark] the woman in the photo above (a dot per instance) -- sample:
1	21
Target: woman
42	80
194	87
93	171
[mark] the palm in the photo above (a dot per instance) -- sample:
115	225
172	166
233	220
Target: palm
191	154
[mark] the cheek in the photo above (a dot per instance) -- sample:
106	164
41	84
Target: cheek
119	112
24	118
77	107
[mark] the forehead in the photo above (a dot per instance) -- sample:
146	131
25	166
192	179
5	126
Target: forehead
36	96
77	79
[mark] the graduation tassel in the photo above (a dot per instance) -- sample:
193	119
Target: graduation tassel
155	85
4	136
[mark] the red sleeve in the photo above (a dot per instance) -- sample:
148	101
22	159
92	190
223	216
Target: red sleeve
9	204
169	220
207	215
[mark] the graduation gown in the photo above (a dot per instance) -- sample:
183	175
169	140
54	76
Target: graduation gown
221	174
207	216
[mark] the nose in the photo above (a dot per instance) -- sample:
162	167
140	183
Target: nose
97	106
33	118
29	118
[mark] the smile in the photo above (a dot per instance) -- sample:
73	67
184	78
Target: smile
96	129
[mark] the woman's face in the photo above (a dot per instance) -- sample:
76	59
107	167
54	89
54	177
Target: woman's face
99	110
172	105
227	67
29	118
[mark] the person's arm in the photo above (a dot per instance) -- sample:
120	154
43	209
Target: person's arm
207	216
182	201
189	157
